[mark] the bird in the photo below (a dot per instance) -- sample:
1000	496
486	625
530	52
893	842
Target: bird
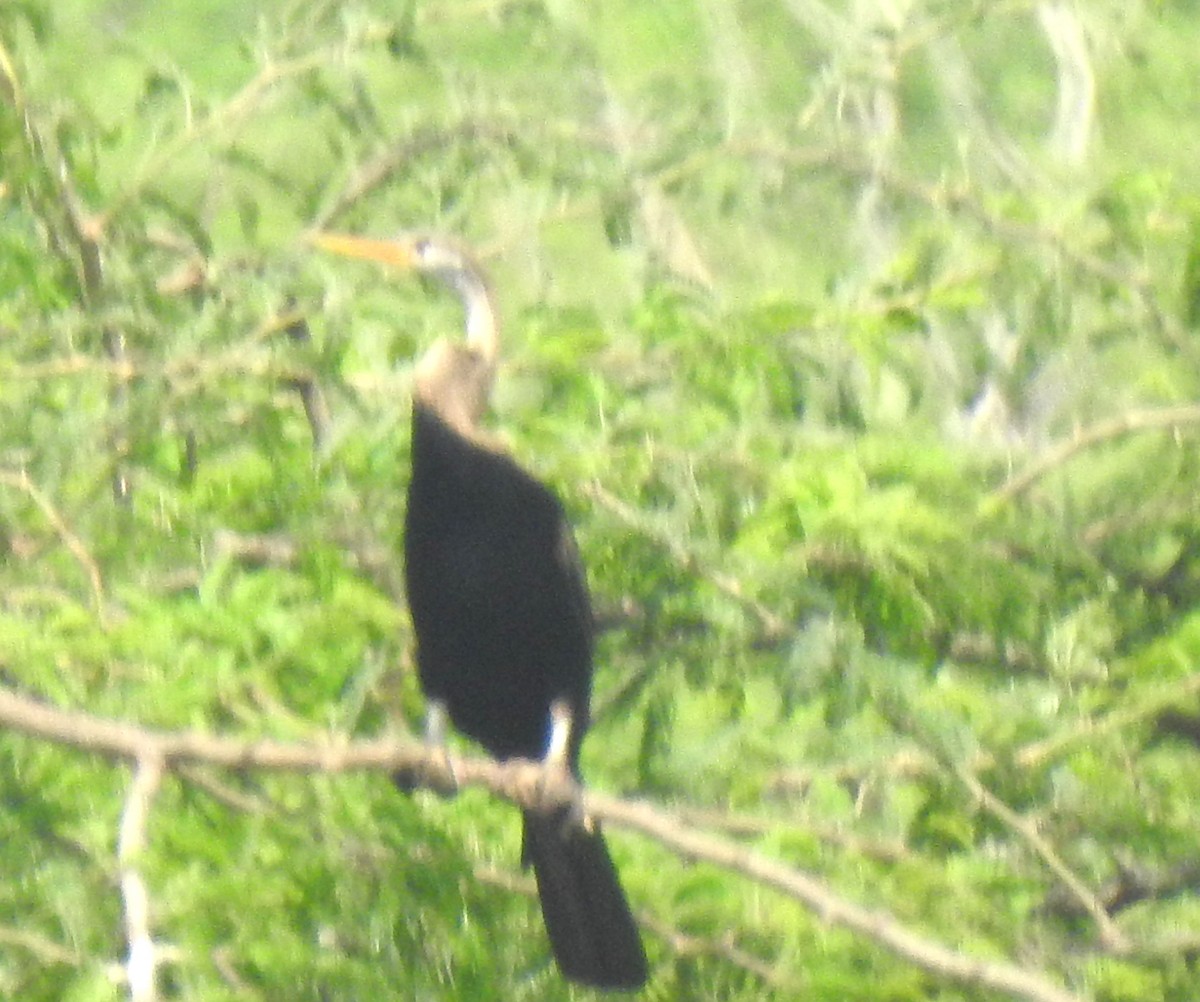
500	610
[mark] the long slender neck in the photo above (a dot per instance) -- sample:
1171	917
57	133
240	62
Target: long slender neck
454	378
483	335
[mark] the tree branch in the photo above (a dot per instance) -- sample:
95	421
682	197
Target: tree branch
876	925
1110	934
1085	438
19	480
141	967
772	624
527	785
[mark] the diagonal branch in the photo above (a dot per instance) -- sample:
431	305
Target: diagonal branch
771	623
19	480
1102	431
1110	934
528	785
874	924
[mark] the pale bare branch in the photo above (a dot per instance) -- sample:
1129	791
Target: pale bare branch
876	925
527	784
142	963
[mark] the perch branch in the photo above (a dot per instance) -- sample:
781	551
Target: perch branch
528	785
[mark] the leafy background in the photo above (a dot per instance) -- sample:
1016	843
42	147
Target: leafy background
859	339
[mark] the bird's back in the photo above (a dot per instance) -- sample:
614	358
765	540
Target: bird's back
497	595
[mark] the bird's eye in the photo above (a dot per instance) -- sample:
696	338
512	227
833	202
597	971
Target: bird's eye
421	247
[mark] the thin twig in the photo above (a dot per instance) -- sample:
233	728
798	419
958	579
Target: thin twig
1110	935
225	116
64	211
380	169
231	797
772	624
19	480
914	763
71	364
746	826
1085	438
963	202
44	950
316	411
1038	753
683	944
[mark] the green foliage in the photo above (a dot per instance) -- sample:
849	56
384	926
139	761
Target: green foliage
796	296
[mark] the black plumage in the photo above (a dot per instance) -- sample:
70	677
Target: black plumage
503	630
500	609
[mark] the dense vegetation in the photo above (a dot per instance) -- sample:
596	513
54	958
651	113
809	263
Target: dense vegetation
860	340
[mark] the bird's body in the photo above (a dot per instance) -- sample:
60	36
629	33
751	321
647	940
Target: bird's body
497	599
500	609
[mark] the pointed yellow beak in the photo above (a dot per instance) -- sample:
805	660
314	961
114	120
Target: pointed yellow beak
391	252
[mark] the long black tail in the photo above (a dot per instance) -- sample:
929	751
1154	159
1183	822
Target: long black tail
593	935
